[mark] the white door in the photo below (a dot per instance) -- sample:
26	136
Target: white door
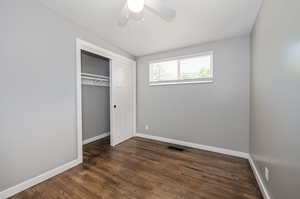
122	98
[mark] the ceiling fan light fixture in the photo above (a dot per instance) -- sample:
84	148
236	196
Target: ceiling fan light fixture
136	5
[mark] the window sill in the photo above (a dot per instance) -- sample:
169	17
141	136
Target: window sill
181	82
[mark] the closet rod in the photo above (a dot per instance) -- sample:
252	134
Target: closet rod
97	79
93	75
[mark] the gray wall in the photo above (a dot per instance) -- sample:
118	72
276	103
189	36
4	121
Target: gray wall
275	96
95	99
37	83
214	114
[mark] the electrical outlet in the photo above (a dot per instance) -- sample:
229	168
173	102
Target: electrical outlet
146	127
267	174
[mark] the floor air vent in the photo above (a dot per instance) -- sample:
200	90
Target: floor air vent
174	148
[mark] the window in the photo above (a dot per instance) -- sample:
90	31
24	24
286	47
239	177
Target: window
189	69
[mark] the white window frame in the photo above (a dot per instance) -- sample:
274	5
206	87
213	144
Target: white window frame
184	81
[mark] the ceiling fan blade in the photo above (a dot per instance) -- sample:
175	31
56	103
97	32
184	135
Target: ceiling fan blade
124	16
159	8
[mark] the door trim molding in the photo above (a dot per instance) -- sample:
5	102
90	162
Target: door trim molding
92	48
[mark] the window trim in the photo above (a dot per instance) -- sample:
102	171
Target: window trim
183	81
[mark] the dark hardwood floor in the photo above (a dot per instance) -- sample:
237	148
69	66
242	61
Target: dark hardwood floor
141	168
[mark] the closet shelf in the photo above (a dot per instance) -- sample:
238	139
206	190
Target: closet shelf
94	80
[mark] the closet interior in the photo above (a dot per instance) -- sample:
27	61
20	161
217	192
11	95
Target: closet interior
95	97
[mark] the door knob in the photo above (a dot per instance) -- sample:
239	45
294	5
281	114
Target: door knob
115	106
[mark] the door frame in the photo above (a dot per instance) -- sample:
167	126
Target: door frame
87	46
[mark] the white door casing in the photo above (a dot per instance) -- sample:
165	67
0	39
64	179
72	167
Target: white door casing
122	94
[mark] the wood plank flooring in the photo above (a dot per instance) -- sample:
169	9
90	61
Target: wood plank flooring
141	168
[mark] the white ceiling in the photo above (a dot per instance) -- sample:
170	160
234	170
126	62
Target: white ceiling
197	21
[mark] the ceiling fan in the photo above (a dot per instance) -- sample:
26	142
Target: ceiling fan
135	9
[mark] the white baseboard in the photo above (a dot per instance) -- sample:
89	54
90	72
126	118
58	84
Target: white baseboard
197	146
262	187
98	137
38	179
259	180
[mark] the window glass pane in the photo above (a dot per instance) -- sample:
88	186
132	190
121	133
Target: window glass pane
154	72
164	71
196	67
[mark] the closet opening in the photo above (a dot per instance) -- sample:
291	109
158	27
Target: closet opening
105	99
95	100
